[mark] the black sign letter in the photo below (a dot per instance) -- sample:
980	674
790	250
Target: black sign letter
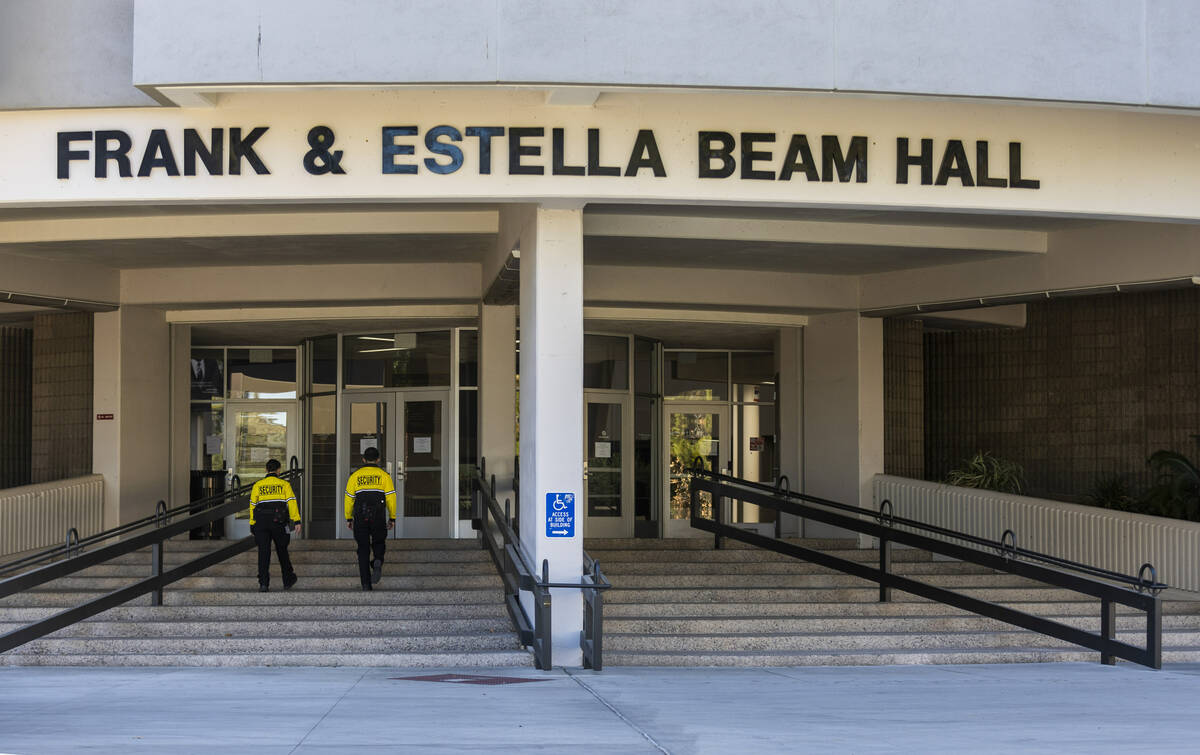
799	157
66	154
749	155
594	166
485	134
239	148
193	147
558	155
904	160
954	165
724	153
158	154
516	150
853	162
104	153
645	155
1014	169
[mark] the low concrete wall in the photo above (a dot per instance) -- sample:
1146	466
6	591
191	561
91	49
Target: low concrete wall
1112	540
36	516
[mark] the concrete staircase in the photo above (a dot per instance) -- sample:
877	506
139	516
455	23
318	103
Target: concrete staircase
440	604
681	603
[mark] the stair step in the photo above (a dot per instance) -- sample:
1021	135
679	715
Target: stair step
471	659
275	628
262	644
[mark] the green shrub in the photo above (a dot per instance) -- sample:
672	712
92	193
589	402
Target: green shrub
1113	492
1176	489
987	472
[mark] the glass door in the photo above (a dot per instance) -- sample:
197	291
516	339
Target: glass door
258	432
368	421
607	482
422	490
693	432
408	428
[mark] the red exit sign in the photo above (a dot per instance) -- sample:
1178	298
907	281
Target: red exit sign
104	416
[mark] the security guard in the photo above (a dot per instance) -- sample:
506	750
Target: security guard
273	511
367	491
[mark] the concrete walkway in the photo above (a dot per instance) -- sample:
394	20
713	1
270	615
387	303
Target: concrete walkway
1012	708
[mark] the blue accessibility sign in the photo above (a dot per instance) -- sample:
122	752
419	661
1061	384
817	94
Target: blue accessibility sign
560	515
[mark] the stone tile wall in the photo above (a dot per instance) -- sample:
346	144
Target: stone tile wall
16	408
903	398
62	396
1091	387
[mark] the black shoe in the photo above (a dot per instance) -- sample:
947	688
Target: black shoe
376	572
368	588
264	588
288	583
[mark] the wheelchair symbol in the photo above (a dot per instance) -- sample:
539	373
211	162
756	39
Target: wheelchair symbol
559	503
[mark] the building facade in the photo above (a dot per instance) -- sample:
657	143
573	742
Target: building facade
589	244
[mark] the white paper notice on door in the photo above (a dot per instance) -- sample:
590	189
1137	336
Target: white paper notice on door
422	444
603	449
212	444
365	443
259	454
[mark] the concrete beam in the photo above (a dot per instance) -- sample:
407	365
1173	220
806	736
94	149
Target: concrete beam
340	284
302	222
30	275
816	232
1099	256
746	290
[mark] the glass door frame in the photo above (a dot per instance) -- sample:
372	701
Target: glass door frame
395	398
237	528
682	528
614	526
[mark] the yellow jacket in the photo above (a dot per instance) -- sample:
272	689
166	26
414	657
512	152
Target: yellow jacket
271	489
370	484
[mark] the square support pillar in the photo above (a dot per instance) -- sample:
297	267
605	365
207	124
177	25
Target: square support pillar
843	411
132	382
498	396
789	353
551	244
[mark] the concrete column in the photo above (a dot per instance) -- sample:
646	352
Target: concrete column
132	383
790	355
843	410
180	402
551	244
498	395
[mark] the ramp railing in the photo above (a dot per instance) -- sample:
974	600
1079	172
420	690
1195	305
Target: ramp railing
500	538
152	531
1109	587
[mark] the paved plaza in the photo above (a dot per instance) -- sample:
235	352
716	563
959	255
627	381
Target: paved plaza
1004	708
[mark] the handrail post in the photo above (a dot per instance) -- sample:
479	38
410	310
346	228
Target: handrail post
72	545
1154	632
156	570
597	620
544	625
885	566
1108	629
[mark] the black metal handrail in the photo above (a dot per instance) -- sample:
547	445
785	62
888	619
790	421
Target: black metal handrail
158	530
1142	594
517	575
1005	544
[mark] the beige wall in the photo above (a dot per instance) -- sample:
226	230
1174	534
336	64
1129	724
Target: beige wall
132	382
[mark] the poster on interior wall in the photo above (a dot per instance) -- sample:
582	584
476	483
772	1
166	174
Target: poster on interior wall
756	444
212	444
259	455
207	380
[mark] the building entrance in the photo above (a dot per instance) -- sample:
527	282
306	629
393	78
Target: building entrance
607	473
409	429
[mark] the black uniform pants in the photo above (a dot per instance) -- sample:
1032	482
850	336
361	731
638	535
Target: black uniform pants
266	533
371	536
